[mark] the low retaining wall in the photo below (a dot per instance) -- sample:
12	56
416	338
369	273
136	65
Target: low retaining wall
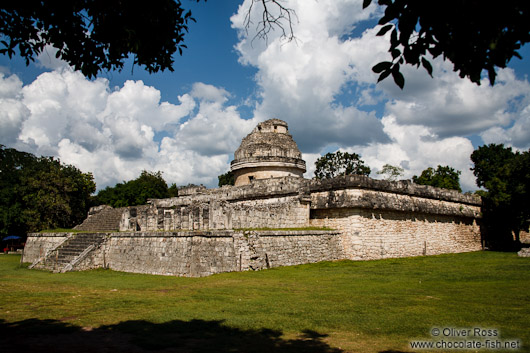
197	254
38	244
360	235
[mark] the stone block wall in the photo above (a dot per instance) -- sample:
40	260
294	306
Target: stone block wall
274	212
203	253
380	219
369	235
286	248
283	212
271	203
400	187
382	200
192	254
38	244
197	254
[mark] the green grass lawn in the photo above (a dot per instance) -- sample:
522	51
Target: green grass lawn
371	306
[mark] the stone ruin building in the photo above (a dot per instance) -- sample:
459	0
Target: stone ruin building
268	152
271	217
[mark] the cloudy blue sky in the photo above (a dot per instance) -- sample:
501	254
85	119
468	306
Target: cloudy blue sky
188	123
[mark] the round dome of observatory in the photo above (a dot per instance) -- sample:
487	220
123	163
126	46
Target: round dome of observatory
269	151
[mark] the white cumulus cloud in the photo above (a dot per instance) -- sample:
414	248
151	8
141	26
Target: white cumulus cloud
300	80
321	83
415	147
323	86
115	134
13	112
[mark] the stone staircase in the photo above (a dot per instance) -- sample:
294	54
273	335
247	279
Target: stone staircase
101	219
66	256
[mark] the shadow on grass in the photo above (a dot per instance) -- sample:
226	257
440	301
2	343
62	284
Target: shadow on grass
142	336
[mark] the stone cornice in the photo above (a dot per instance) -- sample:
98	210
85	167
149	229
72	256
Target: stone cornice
268	161
404	187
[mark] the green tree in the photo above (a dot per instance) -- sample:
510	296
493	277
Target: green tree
473	36
173	190
148	186
38	193
12	170
226	179
135	192
391	172
506	177
95	35
339	163
443	177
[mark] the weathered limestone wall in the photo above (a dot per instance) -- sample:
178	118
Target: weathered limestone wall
379	234
382	200
168	253
250	174
283	212
37	244
197	254
203	253
271	203
380	219
389	190
286	248
280	212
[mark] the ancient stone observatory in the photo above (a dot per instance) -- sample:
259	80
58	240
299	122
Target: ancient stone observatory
209	231
206	231
269	151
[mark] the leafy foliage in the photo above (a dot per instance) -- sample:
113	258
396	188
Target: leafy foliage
473	36
506	177
136	192
173	190
39	193
95	35
443	177
391	172
226	179
339	163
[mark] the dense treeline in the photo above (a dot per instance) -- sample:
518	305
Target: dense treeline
136	192
505	175
39	193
